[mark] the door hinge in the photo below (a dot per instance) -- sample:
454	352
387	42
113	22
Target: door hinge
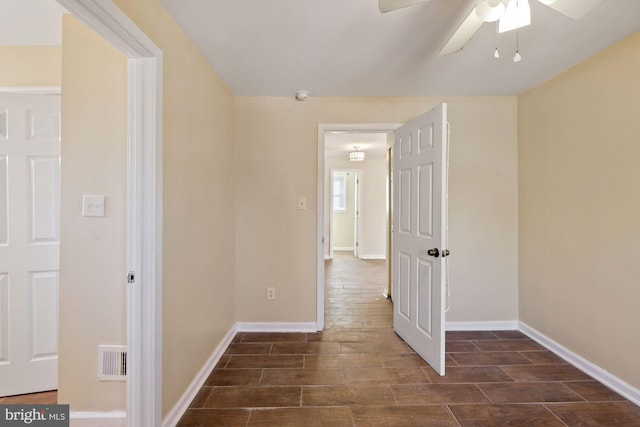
131	277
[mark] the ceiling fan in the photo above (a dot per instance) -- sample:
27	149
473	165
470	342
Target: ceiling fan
510	14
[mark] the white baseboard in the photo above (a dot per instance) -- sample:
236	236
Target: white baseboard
343	248
179	409
383	256
98	419
181	406
276	327
491	325
616	384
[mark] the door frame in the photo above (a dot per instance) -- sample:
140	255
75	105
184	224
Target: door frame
322	129
144	203
357	232
358	207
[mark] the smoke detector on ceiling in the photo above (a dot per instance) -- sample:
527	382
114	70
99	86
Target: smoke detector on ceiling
302	95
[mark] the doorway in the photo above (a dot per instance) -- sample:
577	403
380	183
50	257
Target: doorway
369	223
345	211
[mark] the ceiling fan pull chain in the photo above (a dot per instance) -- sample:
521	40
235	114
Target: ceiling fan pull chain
517	57
496	54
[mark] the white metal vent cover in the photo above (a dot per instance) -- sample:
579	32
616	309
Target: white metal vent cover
112	362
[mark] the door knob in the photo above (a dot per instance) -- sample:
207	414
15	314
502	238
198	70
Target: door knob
433	252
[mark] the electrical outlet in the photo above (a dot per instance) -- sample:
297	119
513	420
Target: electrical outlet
302	203
271	293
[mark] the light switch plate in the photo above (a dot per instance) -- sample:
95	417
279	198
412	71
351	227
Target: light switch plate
92	205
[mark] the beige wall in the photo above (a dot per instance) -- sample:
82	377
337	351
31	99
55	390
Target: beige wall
276	161
374	208
30	65
198	210
580	210
92	250
374	202
198	238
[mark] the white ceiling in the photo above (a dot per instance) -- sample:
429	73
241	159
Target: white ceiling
30	23
348	48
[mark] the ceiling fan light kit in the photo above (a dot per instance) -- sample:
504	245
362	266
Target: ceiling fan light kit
509	14
516	15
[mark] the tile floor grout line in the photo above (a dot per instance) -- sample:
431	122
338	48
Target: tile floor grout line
301	395
485	394
453	415
554	414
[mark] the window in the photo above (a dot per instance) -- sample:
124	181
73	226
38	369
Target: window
339	189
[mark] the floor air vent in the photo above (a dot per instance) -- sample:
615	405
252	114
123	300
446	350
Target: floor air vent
112	362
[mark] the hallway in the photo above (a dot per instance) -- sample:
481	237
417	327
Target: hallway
354	293
357	372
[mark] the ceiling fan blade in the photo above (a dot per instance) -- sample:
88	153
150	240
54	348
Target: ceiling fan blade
575	9
389	5
463	34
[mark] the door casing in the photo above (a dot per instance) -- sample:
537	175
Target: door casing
322	128
144	203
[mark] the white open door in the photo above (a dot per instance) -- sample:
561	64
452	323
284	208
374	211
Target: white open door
29	242
419	234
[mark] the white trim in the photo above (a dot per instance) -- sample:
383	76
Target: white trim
106	19
616	384
320	234
322	128
181	406
276	327
144	203
343	248
380	256
491	325
34	90
98	419
144	244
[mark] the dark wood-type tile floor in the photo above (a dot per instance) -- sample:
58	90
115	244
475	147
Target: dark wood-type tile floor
43	398
358	372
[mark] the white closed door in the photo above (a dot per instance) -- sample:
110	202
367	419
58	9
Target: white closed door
29	242
419	234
